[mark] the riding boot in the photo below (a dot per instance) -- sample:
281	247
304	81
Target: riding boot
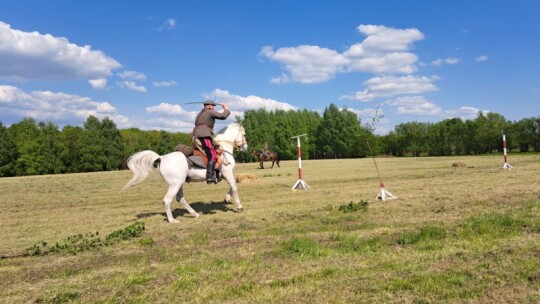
210	173
219	177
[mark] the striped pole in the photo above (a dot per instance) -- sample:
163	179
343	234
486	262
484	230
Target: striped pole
506	165
300	184
504	149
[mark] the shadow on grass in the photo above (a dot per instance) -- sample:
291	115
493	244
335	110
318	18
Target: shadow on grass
200	207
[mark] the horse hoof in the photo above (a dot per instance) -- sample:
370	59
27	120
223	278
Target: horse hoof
196	215
240	209
174	221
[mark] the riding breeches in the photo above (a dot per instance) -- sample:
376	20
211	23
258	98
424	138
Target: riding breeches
208	146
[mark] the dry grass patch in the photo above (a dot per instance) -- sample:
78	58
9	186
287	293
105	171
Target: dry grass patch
452	236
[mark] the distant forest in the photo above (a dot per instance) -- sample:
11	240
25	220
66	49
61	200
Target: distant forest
34	148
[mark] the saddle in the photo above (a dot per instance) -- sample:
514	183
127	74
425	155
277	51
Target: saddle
197	158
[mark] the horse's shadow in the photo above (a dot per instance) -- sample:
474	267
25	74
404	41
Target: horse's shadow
199	207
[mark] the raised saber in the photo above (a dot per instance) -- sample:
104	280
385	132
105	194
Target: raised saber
201	102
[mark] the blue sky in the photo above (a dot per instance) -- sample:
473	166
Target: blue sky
139	62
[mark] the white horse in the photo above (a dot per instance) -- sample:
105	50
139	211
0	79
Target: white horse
175	169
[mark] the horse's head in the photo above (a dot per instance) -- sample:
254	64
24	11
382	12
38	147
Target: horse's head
235	134
242	143
240	138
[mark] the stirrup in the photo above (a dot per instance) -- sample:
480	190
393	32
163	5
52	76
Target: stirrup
212	180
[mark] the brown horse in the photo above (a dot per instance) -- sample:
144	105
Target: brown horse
265	156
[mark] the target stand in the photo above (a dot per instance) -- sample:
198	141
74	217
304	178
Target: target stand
385	194
300	184
506	165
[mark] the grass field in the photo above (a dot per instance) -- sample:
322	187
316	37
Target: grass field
454	235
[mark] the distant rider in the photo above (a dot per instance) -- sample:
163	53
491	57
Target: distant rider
266	153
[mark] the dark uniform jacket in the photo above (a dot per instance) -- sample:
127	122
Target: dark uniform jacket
204	123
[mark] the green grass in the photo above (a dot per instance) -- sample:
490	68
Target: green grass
454	235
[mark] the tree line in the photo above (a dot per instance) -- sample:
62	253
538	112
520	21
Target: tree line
34	148
341	134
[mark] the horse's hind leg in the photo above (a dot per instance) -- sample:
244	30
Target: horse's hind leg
180	198
188	207
167	200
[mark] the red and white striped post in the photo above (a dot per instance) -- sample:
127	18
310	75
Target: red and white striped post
300	184
506	164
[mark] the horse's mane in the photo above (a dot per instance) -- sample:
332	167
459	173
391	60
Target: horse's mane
224	129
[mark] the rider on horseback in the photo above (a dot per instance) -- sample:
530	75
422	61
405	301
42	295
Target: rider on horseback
265	151
204	132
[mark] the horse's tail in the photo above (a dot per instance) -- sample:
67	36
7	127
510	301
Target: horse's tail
141	164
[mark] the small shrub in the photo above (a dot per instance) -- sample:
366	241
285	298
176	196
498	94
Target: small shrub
352	206
83	242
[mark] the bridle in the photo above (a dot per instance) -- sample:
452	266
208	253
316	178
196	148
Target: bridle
240	133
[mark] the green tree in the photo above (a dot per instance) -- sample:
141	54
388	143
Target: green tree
392	144
340	134
165	144
25	135
113	148
50	148
526	134
100	146
8	153
71	153
414	135
489	128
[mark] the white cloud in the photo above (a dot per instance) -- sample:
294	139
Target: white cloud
46	105
132	86
482	58
168	24
281	79
384	50
167	109
415	105
237	102
165	84
465	113
396	62
382	39
449	60
131	75
100	83
31	55
390	85
307	63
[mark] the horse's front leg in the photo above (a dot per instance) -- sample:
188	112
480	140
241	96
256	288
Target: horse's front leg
233	191
261	164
